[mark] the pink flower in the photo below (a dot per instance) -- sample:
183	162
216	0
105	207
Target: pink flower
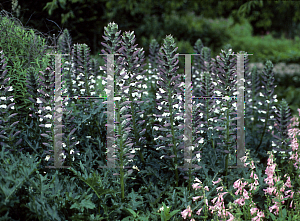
199	211
186	212
274	207
277	191
197	197
215	182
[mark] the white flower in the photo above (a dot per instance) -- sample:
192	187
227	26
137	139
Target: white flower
157	139
226	97
218	101
161	90
136	168
139	77
48	116
38	101
218	93
47	157
161	209
201	140
117	98
135	94
166	114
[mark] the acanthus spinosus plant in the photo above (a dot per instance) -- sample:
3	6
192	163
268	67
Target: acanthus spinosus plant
7	129
170	96
126	103
217	110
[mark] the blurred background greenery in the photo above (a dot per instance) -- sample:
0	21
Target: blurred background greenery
266	29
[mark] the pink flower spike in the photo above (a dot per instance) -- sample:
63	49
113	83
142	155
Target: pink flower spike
185	212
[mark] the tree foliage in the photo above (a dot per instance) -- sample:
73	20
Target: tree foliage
85	19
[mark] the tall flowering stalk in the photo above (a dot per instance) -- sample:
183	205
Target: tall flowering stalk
169	87
126	105
84	84
7	117
152	82
133	65
251	94
207	88
224	68
263	107
201	116
283	120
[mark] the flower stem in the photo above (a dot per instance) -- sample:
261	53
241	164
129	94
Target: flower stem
173	140
227	154
134	127
121	155
264	127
